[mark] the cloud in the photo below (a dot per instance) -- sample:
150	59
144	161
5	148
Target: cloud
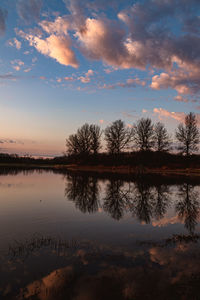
102	40
17	64
143	36
27	70
3	15
144	111
15	43
163	113
183	81
180	98
42	77
59	26
86	78
56	47
68	78
147	44
29	10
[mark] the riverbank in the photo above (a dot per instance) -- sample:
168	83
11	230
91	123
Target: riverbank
101	169
135	170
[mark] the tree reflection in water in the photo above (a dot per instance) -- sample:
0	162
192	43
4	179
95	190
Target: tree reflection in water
144	200
188	206
117	199
84	191
162	201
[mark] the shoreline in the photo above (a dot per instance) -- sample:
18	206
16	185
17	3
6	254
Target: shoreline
136	170
123	169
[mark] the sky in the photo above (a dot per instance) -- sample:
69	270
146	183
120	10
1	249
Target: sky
67	62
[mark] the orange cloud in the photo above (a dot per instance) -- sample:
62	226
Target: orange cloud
56	47
163	113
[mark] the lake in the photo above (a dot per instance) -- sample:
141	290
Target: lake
81	237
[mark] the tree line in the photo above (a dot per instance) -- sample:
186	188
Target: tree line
142	135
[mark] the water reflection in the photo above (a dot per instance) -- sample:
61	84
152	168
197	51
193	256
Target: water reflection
142	199
143	202
117	199
162	198
100	273
188	206
84	191
93	255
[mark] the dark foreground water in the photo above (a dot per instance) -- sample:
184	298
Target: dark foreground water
84	238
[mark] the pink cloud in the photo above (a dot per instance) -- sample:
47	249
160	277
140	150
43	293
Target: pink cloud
15	43
60	26
163	113
180	98
56	47
183	82
86	78
68	78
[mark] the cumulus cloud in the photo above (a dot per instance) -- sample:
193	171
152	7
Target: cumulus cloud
57	47
142	36
182	81
29	9
59	26
101	39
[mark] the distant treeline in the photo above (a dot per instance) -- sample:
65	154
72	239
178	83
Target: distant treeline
143	136
142	144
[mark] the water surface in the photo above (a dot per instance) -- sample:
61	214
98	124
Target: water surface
74	236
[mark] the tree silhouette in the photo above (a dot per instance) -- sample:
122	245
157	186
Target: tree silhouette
85	141
161	137
144	134
95	136
118	136
188	134
188	206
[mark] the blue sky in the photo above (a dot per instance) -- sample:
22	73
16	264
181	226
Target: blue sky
64	63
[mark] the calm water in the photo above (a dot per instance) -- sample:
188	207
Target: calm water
84	238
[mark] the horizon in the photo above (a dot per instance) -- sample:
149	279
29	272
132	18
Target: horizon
68	63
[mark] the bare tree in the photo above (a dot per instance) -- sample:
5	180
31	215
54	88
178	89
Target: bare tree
72	144
144	134
95	138
85	141
84	138
161	137
118	136
188	134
